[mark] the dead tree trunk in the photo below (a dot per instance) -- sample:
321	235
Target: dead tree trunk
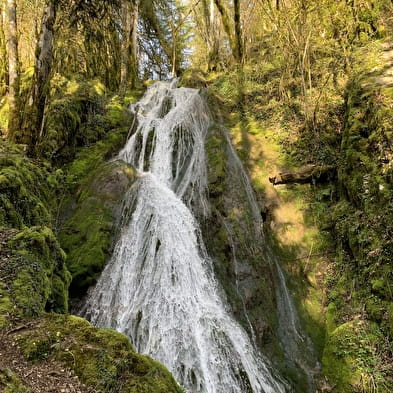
309	174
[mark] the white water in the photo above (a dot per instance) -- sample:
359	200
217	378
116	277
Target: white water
159	286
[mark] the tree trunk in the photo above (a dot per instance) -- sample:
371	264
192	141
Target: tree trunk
214	37
210	33
238	32
235	38
3	51
33	127
129	66
226	21
13	70
126	28
134	44
309	174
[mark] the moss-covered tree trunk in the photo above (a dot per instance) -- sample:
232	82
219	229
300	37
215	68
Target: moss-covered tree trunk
3	51
13	69
211	34
234	34
33	124
238	32
129	57
126	27
133	71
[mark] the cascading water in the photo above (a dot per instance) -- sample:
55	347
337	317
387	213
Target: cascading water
159	286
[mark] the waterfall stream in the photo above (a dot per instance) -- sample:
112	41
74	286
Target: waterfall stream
159	286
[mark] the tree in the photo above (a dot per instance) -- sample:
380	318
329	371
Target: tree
34	121
211	34
129	60
3	51
13	69
232	27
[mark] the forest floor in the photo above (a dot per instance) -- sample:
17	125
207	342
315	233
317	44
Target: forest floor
16	373
42	377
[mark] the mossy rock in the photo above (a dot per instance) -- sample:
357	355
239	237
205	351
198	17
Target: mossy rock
25	193
349	359
103	359
240	261
87	236
34	274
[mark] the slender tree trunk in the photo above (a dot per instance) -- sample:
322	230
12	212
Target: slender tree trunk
225	21
129	65
238	31
44	53
210	34
214	55
3	51
134	44
13	70
235	39
126	28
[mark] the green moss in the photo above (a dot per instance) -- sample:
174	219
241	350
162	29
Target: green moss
35	276
6	306
388	319
216	162
4	109
350	359
25	195
87	236
11	382
102	359
338	361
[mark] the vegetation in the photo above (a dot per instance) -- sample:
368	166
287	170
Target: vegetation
101	358
296	82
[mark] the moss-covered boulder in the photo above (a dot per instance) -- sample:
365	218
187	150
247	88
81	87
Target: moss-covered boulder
34	275
25	189
87	236
102	359
350	358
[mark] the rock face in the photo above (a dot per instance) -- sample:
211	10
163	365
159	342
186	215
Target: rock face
87	236
233	238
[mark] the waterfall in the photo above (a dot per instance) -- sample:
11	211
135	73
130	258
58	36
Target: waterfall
159	286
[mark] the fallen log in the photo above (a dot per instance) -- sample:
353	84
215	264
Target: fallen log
308	174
